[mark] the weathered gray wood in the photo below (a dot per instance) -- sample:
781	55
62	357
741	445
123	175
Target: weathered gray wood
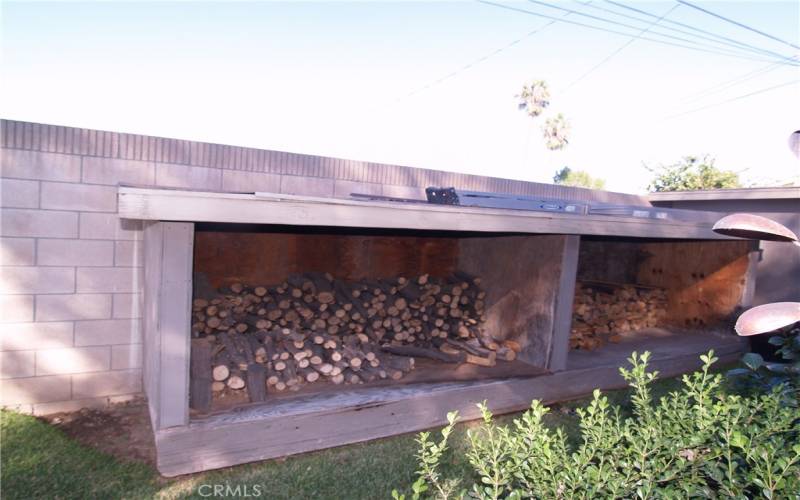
288	427
151	357
562	317
520	275
791	193
168	296
267	208
749	290
256	383
200	376
424	352
175	322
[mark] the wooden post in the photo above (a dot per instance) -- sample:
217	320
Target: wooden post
529	281
167	322
749	291
562	321
200	383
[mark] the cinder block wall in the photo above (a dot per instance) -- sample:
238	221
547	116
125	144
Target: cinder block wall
70	281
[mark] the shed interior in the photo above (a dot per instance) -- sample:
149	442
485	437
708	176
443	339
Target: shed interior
626	290
519	280
627	286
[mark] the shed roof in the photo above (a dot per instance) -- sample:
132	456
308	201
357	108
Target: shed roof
768	193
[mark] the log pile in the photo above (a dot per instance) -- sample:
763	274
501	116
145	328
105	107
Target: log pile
601	312
313	328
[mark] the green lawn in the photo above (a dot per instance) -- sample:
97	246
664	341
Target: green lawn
39	461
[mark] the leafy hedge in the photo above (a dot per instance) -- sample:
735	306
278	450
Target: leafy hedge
698	441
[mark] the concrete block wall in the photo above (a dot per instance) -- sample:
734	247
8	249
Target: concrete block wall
71	269
70	334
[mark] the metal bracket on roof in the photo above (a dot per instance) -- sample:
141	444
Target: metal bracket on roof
451	196
456	197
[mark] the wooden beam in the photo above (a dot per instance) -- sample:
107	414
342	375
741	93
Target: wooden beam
786	193
562	320
195	206
749	290
151	360
297	426
520	275
167	296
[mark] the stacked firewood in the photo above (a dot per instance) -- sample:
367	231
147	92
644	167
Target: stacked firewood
601	312
315	328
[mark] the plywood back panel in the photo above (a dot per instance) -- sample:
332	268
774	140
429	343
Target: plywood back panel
705	280
521	276
613	261
268	258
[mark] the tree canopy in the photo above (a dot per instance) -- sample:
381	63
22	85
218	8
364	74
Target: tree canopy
578	178
534	99
692	173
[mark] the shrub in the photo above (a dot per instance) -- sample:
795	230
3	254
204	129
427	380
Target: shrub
698	441
758	374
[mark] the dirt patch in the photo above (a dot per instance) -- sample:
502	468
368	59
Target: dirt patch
122	430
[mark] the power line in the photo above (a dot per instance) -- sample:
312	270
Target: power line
479	60
768	89
733	82
620	49
754	30
606	20
607	30
566	14
689	26
713	37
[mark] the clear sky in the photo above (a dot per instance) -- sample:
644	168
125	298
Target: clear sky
356	80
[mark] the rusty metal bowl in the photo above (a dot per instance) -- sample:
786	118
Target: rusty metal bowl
753	227
768	318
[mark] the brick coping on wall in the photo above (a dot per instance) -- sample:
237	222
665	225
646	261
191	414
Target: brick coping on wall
70	291
115	145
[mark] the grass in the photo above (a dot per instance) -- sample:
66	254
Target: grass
39	461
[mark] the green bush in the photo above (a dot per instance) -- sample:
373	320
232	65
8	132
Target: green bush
759	374
698	441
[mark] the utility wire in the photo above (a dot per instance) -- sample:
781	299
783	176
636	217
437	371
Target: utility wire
566	14
754	30
768	89
677	23
607	30
625	25
620	49
733	82
713	37
479	60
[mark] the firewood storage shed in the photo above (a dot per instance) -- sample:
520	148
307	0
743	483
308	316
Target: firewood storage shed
536	268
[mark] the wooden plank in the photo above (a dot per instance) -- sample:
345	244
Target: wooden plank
562	321
520	275
259	433
154	204
200	375
789	193
704	280
257	256
426	372
749	289
151	356
175	322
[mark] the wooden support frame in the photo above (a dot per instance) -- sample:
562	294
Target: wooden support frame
278	429
294	426
530	283
562	317
749	291
167	320
270	208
